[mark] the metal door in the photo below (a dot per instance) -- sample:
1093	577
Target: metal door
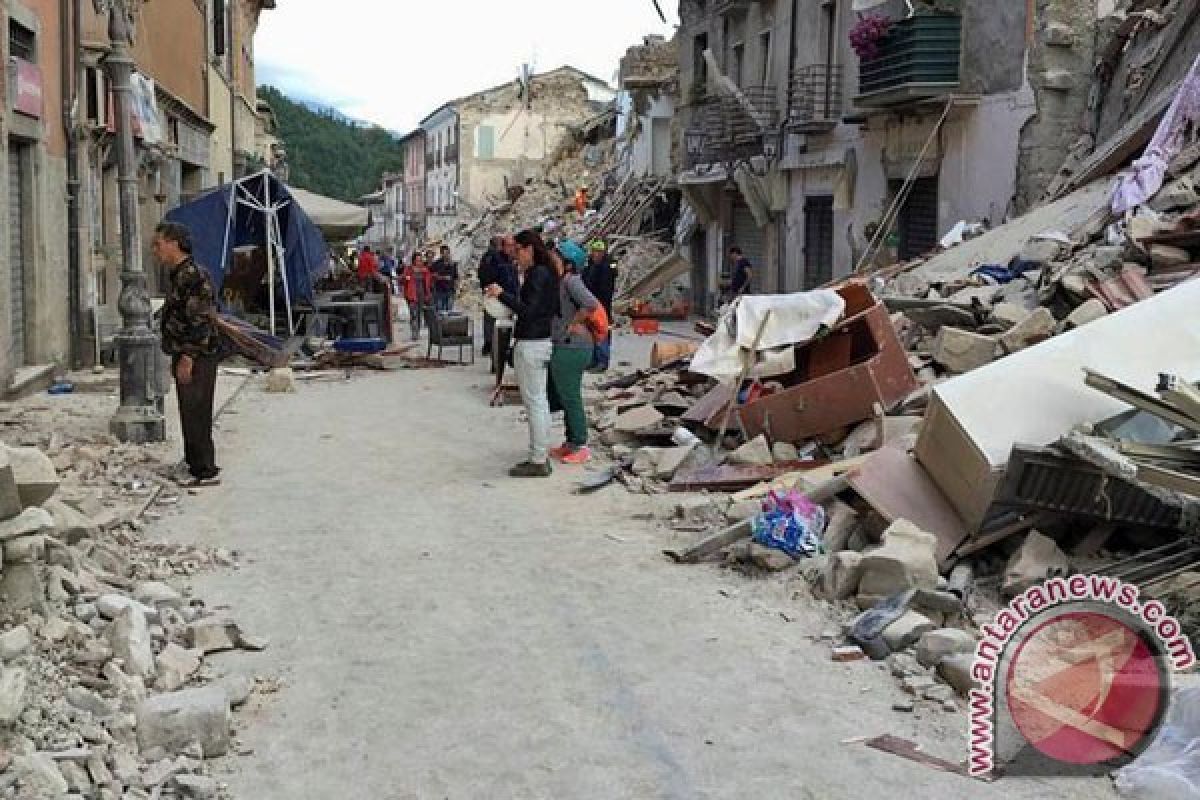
818	240
751	238
918	219
17	202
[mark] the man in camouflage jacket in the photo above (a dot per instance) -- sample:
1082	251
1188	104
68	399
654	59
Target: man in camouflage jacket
189	337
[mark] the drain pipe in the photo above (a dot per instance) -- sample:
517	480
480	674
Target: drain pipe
69	19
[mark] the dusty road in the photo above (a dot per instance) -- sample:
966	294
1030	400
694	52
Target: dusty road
443	631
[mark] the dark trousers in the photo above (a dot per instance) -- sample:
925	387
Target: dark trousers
443	299
196	416
489	331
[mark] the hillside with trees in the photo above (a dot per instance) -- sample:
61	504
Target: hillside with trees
329	153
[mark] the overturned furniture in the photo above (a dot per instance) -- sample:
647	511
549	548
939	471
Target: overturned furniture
839	378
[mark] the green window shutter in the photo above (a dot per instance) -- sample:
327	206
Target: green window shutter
485	141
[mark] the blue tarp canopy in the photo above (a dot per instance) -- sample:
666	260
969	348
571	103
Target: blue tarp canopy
256	210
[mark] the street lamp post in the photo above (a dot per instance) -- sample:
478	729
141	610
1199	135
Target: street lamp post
138	419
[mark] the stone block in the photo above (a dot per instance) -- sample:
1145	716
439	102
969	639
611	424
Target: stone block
196	787
36	477
70	524
39	777
130	640
843	572
10	495
754	452
1090	311
1037	559
1177	194
89	701
785	451
1037	327
22	587
1108	257
25	549
639	418
29	522
110	606
13	682
905	560
237	688
908	628
1009	314
936	645
156	594
175	665
956	671
175	720
961	351
15	643
281	381
770	559
1041	251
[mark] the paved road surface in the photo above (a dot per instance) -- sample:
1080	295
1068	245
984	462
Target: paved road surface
442	631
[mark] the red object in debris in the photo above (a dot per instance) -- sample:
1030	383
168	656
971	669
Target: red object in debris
1124	290
829	391
645	327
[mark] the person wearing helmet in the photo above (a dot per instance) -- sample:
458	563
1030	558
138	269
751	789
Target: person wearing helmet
574	348
600	277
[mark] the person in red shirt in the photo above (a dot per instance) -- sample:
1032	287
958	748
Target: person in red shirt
418	289
368	266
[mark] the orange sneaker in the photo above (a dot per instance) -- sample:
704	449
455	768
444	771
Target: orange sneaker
579	455
557	453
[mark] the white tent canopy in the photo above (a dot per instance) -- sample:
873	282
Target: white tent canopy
336	219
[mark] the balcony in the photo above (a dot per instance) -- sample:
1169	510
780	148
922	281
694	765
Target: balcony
726	129
452	153
918	60
815	99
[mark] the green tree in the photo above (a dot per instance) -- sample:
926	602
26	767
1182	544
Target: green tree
330	154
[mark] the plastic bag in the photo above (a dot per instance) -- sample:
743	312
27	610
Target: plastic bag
1169	769
790	522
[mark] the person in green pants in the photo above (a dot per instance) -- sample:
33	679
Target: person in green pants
574	346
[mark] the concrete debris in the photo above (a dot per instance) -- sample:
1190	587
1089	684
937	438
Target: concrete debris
39	777
638	419
10	495
843	574
29	522
13	683
1035	328
962	351
197	787
905	560
174	721
15	643
1090	311
237	688
281	381
757	451
112	606
1037	559
36	478
956	670
156	594
130	640
936	645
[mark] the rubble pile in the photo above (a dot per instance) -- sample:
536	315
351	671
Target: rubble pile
105	690
960	428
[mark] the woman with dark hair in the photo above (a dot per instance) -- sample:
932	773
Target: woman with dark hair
536	306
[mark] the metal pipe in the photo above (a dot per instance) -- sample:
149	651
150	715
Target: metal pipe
69	18
138	418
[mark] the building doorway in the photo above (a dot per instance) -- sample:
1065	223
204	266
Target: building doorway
818	240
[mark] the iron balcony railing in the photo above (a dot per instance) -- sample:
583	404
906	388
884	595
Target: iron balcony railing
731	128
918	58
815	98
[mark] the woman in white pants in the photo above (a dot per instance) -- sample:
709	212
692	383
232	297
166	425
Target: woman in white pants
536	305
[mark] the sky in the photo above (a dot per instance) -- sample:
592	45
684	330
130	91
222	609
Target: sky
393	62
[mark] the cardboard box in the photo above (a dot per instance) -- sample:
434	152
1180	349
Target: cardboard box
1036	396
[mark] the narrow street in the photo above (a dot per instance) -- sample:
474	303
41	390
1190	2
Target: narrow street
440	630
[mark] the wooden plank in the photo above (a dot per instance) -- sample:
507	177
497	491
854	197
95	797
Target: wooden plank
888	743
709	406
986	540
897	487
734	477
711	544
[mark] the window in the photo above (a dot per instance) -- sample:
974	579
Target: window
735	67
22	42
219	27
95	97
485	142
699	65
764	49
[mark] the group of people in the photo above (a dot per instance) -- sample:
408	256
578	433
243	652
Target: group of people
425	281
558	291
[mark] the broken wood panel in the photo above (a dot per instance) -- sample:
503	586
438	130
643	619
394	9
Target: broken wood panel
710	406
909	750
897	487
983	541
733	477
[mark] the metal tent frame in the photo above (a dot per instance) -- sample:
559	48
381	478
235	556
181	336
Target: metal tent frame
276	258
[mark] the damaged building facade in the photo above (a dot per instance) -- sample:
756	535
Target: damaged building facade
60	277
646	102
821	159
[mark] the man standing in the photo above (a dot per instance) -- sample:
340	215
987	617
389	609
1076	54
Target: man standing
743	272
387	267
601	280
445	281
189	337
489	273
418	285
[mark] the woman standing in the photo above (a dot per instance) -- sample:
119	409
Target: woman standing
536	306
418	287
574	346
